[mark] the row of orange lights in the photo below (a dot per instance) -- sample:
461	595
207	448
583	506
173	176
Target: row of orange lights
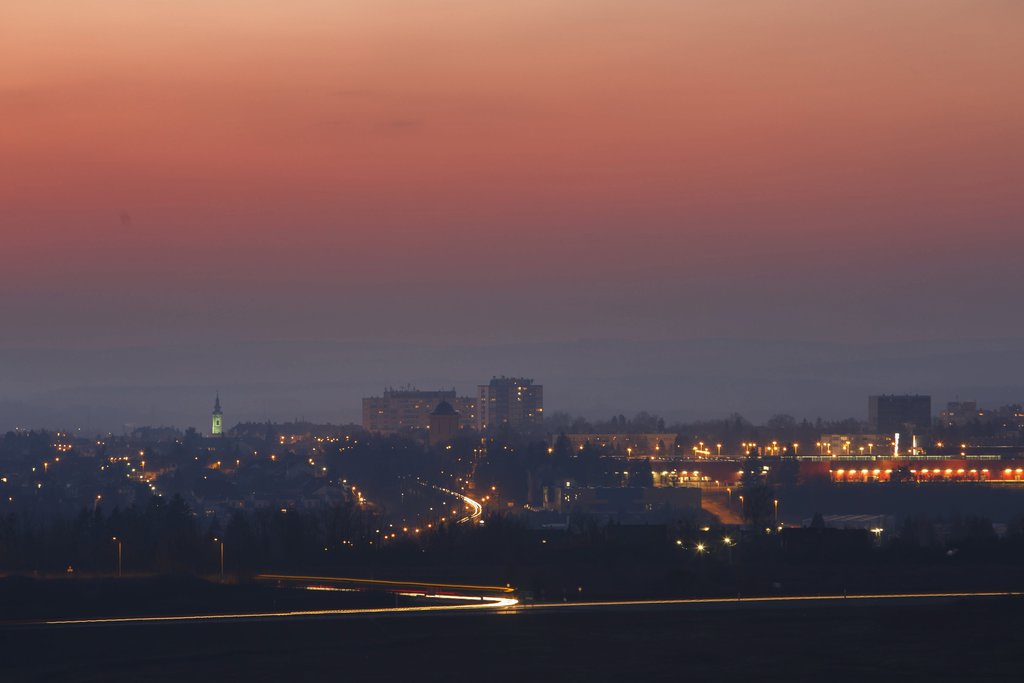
1008	472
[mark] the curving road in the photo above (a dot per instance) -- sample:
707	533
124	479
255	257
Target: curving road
476	509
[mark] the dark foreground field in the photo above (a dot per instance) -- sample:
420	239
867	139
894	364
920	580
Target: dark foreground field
935	640
26	599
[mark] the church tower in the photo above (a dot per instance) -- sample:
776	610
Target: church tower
218	418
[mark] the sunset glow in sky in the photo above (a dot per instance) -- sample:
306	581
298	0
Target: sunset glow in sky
446	170
193	168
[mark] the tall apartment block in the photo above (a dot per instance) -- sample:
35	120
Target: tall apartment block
512	401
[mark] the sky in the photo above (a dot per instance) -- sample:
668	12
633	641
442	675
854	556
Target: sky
189	178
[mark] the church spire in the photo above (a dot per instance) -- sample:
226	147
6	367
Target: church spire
218	418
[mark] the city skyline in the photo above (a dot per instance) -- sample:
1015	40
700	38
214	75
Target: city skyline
325	383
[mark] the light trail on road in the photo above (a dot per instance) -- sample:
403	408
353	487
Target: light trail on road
473	602
767	599
494	604
384	582
477	509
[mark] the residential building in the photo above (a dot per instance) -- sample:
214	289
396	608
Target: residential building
407	409
961	413
510	401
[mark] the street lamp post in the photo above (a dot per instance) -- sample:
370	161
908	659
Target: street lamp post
221	544
120	555
776	510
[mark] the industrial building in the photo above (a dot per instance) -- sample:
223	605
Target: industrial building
905	414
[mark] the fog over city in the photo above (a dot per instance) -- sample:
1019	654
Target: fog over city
105	390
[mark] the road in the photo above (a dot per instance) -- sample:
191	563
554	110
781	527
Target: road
761	601
383	584
465	603
506	604
718	504
776	639
476	509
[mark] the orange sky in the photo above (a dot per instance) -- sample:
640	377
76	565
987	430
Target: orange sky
172	161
